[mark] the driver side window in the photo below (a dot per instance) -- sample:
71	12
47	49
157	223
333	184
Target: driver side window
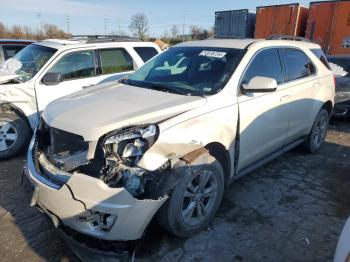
266	63
76	65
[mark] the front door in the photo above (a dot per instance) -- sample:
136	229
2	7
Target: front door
78	70
263	116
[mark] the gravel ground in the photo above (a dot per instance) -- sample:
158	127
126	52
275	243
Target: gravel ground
292	209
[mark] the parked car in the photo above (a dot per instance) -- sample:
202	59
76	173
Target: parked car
341	68
166	143
47	70
342	253
10	47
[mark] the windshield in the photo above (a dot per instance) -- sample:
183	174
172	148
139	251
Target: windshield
188	70
27	62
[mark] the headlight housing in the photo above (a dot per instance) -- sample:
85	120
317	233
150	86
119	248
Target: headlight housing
132	142
122	150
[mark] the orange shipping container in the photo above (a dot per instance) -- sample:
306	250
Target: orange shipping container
280	19
329	26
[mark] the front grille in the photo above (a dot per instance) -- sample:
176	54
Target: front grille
64	143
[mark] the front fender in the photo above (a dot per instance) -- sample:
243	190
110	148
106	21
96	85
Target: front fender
179	140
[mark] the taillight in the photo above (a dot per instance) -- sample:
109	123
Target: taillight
335	81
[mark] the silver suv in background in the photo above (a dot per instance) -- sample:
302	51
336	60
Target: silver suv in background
340	66
168	139
50	69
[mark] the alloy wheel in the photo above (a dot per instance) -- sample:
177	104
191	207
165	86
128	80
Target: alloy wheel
8	135
320	131
199	197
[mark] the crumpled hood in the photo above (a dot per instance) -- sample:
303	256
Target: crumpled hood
8	69
4	78
99	110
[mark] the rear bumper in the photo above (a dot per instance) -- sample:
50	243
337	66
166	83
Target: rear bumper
83	194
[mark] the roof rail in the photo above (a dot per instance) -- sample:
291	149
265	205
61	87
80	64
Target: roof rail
289	37
103	38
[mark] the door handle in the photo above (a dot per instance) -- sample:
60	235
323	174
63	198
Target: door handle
284	98
86	86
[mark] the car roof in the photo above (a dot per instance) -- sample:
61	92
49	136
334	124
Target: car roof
245	43
223	43
65	44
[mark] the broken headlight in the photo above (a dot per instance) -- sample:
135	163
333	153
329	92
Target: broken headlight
131	143
123	149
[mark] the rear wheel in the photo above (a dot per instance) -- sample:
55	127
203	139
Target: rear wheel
15	135
195	199
318	132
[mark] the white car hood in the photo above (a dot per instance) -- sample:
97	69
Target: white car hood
96	111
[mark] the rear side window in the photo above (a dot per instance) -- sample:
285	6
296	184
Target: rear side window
266	63
297	64
319	53
146	53
115	61
11	50
80	64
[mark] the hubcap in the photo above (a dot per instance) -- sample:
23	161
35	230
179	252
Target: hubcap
320	131
199	197
8	135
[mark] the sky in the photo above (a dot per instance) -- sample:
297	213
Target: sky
112	16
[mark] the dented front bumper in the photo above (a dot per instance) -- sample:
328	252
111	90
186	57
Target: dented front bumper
77	202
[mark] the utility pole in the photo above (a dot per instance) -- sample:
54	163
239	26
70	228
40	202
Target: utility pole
68	23
38	16
105	21
183	28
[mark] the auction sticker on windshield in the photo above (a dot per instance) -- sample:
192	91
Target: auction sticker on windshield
215	54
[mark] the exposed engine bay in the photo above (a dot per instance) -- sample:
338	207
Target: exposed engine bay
115	160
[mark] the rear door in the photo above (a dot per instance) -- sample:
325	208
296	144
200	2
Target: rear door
301	78
263	116
114	64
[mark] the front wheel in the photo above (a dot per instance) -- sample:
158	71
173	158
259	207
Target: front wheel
15	135
318	132
195	199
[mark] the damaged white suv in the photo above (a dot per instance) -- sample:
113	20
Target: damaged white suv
168	139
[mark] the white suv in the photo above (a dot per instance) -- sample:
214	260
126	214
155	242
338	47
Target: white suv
167	141
47	70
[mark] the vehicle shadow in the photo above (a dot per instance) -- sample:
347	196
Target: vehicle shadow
19	221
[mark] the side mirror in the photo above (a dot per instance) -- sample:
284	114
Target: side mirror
52	78
260	84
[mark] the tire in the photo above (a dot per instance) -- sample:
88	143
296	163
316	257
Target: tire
15	135
318	132
175	215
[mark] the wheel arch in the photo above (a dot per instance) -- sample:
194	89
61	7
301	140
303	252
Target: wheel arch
329	107
8	107
219	151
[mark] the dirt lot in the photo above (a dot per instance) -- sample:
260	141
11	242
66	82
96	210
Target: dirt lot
293	209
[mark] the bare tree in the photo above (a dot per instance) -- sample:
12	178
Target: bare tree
139	25
20	31
174	30
2	30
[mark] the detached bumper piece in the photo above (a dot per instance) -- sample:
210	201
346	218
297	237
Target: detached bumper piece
92	249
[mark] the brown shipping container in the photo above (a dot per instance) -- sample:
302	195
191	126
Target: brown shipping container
280	19
329	26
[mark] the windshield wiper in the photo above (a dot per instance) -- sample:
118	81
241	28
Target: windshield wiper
159	87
